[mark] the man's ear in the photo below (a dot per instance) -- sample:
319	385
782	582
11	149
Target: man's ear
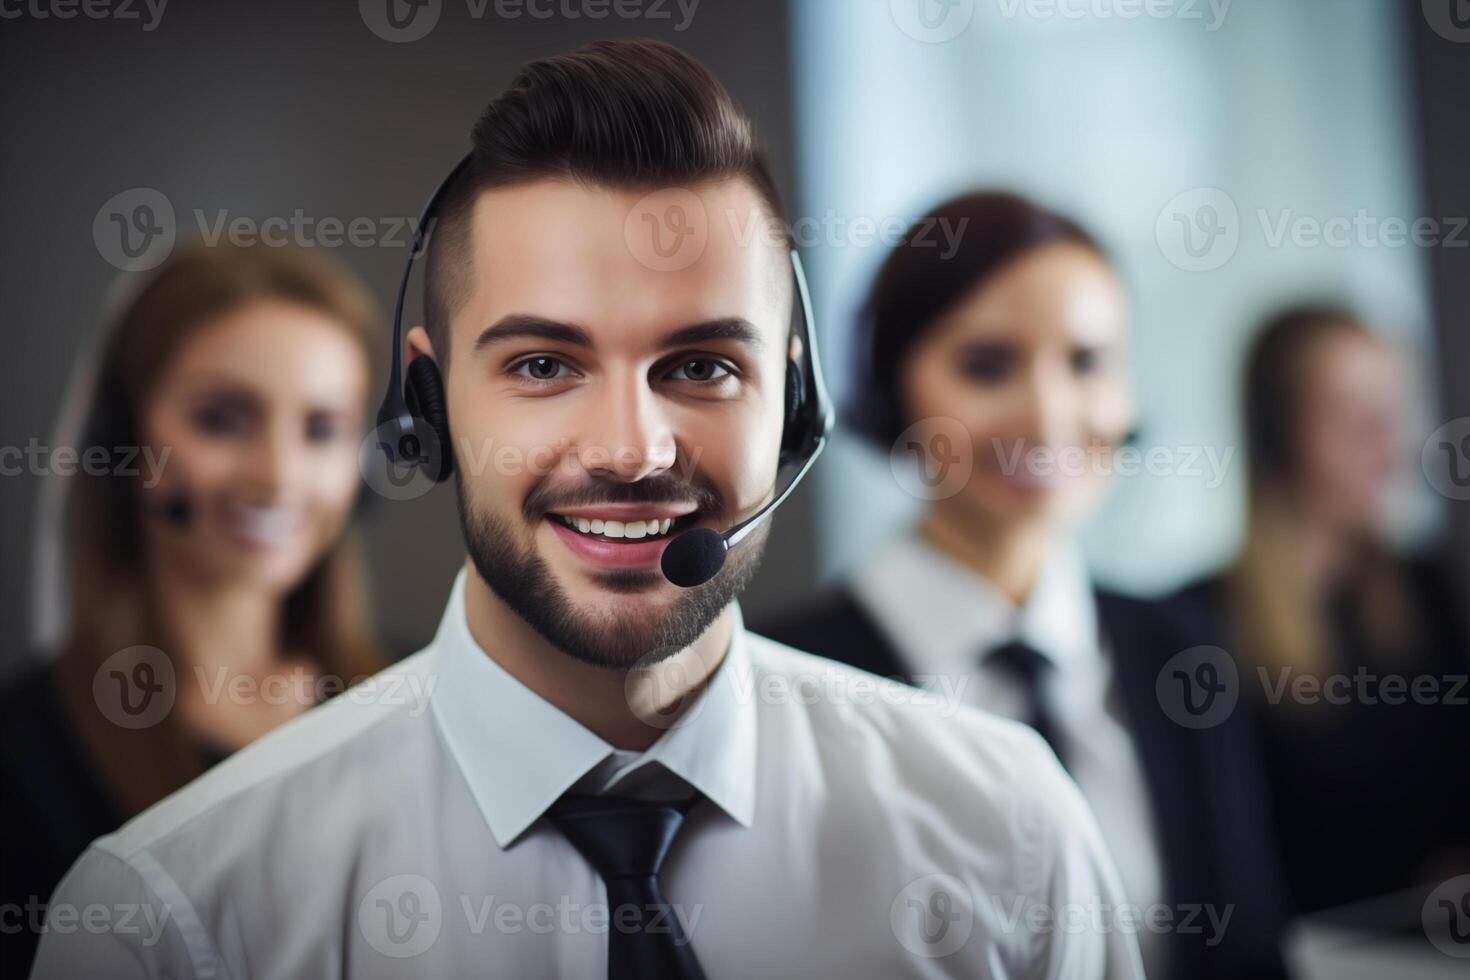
419	344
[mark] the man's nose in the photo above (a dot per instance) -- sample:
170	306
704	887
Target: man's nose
629	436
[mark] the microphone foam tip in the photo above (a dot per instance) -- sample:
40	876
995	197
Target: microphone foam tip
694	557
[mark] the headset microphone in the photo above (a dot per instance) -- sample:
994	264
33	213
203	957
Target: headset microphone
697	555
177	508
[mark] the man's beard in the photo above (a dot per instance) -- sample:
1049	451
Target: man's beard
523	582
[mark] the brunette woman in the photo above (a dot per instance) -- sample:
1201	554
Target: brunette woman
1013	352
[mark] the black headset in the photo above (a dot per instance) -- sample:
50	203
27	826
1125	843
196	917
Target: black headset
413	420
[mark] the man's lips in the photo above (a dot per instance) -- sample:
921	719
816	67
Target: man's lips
635	535
610	553
627	512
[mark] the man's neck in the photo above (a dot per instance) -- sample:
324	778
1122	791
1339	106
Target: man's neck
627	709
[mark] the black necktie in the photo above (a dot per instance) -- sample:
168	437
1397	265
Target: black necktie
626	841
1033	670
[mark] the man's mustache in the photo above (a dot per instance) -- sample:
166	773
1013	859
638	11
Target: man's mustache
663	488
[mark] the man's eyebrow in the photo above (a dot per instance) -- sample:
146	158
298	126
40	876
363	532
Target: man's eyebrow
519	325
733	328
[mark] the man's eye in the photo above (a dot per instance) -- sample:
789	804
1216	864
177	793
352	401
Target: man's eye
541	369
699	369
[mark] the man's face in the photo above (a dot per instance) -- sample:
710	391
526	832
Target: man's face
604	379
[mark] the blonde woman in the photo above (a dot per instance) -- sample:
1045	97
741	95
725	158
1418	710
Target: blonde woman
1367	780
214	589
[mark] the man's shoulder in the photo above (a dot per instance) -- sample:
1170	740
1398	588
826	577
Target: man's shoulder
926	730
331	738
299	804
968	788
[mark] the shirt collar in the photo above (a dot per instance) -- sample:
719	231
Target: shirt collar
943	617
519	753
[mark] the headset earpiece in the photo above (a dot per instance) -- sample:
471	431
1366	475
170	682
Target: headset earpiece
425	395
794	434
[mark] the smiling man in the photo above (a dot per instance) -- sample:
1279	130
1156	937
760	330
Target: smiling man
644	402
609	776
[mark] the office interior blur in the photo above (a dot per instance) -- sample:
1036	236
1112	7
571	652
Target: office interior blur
1145	324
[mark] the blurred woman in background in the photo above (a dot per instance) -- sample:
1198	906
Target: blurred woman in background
1368	785
213	591
1013	352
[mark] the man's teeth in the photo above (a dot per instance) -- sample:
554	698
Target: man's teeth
618	529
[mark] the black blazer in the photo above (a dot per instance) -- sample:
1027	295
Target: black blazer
53	802
52	805
1206	786
1368	797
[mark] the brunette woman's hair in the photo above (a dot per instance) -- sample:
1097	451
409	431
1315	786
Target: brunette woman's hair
924	277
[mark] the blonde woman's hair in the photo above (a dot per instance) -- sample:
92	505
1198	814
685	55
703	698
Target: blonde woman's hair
325	617
1278	614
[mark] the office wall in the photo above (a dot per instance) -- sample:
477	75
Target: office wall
1442	49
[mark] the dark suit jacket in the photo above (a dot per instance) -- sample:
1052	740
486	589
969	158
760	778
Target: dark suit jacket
52	805
1368	795
1206	786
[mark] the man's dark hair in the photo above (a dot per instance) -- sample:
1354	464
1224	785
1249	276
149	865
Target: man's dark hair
628	115
920	282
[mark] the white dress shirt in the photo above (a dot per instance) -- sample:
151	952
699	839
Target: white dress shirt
943	618
852	828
